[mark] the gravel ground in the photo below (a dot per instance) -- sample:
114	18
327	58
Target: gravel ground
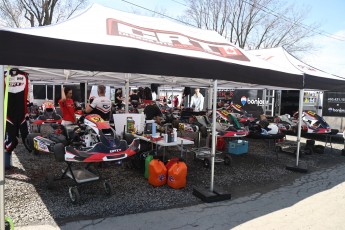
29	202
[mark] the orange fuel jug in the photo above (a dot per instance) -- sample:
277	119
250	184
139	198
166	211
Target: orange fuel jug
177	175
157	173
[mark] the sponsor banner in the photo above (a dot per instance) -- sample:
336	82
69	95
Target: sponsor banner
250	100
334	104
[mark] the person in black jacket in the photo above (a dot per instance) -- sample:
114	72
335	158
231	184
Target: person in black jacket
152	112
134	98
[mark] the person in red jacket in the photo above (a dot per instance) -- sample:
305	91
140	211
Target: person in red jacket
67	106
175	101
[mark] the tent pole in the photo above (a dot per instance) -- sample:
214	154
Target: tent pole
273	101
127	94
172	97
85	94
300	111
46	92
2	158
213	150
54	93
209	106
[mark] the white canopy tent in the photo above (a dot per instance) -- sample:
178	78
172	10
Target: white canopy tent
101	42
314	79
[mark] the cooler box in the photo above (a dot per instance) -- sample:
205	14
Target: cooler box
238	147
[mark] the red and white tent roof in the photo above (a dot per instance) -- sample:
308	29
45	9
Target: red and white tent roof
106	40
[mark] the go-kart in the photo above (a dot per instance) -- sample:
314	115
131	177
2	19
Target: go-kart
243	117
91	141
312	123
228	125
45	130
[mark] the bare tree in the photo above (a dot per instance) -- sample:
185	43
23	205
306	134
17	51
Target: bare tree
38	12
10	13
253	24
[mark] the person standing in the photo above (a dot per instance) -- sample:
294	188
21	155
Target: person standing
134	98
152	112
101	105
175	101
67	106
118	98
197	101
18	89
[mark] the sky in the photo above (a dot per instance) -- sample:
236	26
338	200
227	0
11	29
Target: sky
330	53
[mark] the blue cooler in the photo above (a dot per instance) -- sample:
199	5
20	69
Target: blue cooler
238	147
8	160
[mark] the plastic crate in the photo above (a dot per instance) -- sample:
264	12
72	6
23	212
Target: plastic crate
238	147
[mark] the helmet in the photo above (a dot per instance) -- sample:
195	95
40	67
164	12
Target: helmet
48	109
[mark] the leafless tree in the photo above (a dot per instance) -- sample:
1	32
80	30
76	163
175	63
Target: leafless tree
253	24
20	13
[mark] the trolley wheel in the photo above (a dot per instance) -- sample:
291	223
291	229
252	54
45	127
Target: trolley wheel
279	149
74	194
227	160
50	181
29	142
308	150
108	188
206	163
194	156
9	224
59	152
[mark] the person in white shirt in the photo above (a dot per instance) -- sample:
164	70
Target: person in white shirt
100	105
197	101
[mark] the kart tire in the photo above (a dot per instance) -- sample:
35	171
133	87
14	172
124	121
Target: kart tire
206	163
227	160
279	149
50	181
320	149
108	188
308	150
194	156
74	195
59	152
29	141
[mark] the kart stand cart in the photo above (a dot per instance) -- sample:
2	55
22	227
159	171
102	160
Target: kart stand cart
204	153
87	174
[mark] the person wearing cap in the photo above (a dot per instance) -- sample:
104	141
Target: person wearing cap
67	106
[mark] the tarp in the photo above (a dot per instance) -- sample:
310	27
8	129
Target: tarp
313	77
107	40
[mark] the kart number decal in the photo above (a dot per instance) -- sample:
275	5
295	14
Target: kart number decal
36	144
237	106
311	113
224	112
96	119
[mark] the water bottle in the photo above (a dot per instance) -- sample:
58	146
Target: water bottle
175	135
154	129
